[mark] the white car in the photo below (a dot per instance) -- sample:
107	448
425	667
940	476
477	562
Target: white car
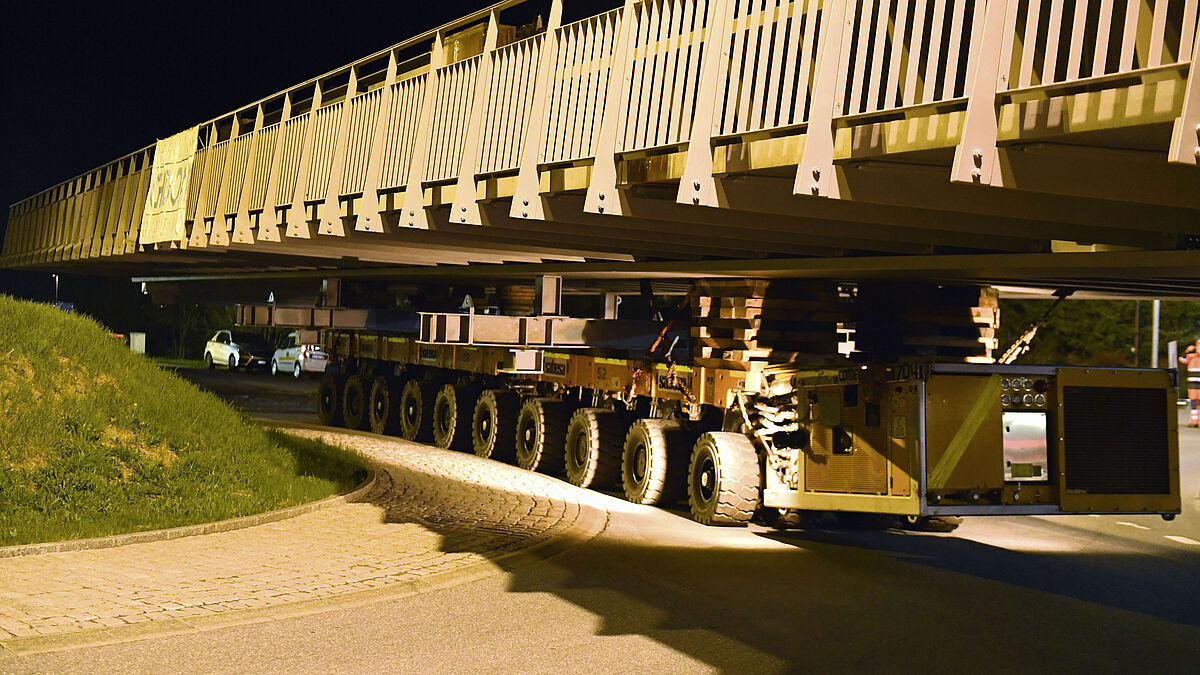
297	359
237	350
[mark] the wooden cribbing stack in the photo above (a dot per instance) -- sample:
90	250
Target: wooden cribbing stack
736	323
906	322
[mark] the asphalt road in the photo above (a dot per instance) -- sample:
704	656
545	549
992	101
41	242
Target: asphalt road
259	393
656	592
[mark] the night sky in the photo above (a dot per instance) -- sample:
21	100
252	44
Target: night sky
85	83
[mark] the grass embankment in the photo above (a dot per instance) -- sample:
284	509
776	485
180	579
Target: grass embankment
96	440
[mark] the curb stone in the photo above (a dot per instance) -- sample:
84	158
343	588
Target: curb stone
191	530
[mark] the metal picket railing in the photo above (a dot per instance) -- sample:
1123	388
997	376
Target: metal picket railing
649	76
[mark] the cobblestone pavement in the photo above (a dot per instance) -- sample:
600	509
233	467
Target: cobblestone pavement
434	518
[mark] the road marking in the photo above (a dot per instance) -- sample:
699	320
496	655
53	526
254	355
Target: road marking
1140	527
1183	540
1093	515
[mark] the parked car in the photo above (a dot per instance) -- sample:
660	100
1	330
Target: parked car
297	358
237	350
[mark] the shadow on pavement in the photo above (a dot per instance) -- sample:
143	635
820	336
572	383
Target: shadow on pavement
1159	586
847	600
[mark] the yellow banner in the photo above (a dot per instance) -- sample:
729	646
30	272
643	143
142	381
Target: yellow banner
166	204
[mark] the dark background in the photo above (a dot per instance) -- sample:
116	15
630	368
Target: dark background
87	82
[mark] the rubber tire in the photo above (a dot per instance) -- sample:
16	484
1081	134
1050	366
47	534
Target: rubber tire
233	364
297	369
383	406
541	435
452	417
724	484
661	476
329	401
208	362
592	449
494	425
274	367
354	403
416	410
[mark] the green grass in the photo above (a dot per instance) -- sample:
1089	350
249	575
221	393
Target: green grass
96	440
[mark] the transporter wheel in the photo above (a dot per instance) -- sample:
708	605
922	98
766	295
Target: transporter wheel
593	448
541	435
354	403
416	410
452	408
329	401
494	425
723	479
654	462
383	406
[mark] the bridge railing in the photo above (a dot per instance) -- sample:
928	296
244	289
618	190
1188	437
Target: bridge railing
772	61
406	101
580	77
513	76
393	132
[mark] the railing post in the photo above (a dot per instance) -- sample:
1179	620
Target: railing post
138	207
115	194
976	157
70	198
368	218
219	235
129	188
114	238
241	220
268	220
97	216
602	193
527	200
465	209
697	185
297	220
331	210
815	170
1185	135
413	212
198	237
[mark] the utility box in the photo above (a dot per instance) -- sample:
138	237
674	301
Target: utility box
137	343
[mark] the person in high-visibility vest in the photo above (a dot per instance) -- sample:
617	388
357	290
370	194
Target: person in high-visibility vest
1191	360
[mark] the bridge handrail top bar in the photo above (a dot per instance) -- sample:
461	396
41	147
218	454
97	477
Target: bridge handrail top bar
404	44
